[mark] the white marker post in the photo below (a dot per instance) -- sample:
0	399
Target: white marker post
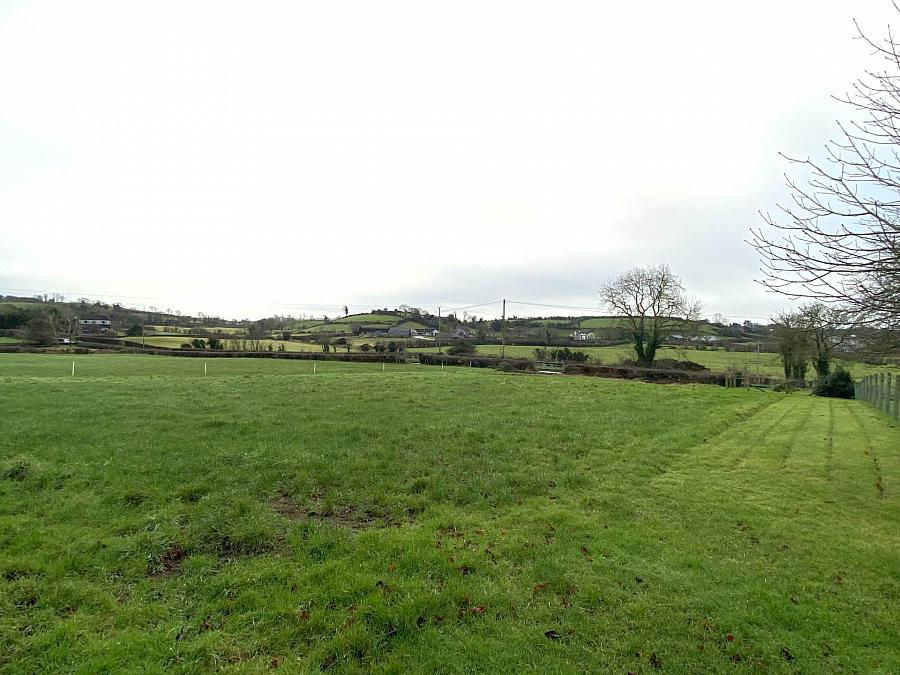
73	369
204	367
314	367
382	366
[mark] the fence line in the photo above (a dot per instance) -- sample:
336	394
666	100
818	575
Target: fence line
881	390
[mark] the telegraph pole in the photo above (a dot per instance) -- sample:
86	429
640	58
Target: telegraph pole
757	358
439	330
503	333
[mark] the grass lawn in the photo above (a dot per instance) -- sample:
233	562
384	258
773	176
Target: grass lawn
9	340
153	519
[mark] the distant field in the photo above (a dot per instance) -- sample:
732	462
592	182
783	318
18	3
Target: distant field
718	360
614	322
184	330
176	342
9	340
155	519
602	322
369	319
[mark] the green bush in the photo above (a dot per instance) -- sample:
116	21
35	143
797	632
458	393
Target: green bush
838	384
461	347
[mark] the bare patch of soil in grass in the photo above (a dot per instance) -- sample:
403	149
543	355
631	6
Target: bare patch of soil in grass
346	516
169	562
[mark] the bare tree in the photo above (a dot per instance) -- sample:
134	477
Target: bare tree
653	303
823	327
793	345
839	239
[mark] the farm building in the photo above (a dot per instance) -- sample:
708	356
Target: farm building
581	335
399	331
372	331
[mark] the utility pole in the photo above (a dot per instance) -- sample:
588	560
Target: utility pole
439	330
503	333
757	358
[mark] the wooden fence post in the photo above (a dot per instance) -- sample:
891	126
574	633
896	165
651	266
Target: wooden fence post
887	393
897	398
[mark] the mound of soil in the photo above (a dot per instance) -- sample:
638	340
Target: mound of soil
671	364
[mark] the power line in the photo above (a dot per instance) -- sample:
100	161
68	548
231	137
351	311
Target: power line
595	311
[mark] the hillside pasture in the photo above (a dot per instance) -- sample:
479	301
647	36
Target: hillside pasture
155	519
190	330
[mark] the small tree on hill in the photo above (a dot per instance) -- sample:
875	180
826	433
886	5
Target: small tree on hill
39	330
653	303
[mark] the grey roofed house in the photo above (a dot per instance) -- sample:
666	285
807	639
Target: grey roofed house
399	331
373	331
460	333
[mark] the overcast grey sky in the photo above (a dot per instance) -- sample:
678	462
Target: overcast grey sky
247	159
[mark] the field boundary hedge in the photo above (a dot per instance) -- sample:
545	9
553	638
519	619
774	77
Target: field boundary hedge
656	375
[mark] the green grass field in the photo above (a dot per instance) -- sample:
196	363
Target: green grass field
9	340
184	330
176	342
153	519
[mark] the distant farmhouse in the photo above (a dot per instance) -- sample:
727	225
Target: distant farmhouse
581	335
94	323
461	333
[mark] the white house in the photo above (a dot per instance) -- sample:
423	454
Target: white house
94	323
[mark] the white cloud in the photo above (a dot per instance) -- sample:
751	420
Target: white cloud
224	157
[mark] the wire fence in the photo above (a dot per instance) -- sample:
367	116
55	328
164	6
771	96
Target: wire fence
881	390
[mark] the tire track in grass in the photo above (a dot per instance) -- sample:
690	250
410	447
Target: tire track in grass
829	448
806	461
869	451
727	450
801	425
760	439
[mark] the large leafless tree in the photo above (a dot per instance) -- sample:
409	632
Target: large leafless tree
653	304
838	241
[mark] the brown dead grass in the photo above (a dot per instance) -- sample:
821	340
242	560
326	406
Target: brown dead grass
344	516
